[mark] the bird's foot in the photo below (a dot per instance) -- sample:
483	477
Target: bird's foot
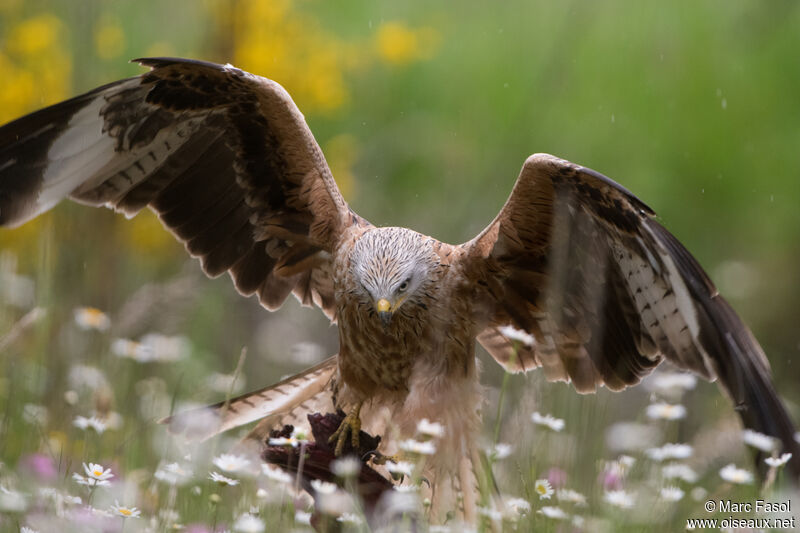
351	425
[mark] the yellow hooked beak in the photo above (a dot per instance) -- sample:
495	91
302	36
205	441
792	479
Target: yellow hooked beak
383	305
385	311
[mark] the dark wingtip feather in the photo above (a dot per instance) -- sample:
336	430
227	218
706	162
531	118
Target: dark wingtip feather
739	361
632	198
24	144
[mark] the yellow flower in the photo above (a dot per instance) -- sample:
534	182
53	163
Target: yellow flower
91	318
34	35
35	66
146	235
109	39
398	44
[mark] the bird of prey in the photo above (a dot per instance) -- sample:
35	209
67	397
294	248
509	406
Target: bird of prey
573	260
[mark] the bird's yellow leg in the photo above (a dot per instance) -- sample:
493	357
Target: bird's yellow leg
352	425
380	459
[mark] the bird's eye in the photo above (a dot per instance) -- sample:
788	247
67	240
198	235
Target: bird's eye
404	286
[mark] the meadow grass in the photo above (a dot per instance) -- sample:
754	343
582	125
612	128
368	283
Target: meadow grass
81	449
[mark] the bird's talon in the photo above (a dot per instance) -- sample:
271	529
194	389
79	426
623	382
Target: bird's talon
352	425
380	459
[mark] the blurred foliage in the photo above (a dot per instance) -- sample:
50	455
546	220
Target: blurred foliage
426	113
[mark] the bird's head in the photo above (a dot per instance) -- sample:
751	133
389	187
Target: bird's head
393	267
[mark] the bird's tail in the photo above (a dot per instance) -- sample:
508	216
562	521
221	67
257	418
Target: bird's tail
459	492
285	402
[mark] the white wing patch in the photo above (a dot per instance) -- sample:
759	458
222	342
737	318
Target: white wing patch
78	152
665	306
85	154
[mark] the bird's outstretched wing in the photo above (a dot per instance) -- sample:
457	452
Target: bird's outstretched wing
578	263
224	157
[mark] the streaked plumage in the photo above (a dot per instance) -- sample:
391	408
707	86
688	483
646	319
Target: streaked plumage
573	259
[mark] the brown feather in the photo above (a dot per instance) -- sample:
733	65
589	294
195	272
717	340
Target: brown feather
578	262
224	157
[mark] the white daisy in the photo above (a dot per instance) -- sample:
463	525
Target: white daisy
619	498
736	475
346	467
59	499
335	502
323	487
166	348
671	493
132	350
222	480
98	472
416	446
549	421
543	489
556	513
87	377
518	505
230	462
173	474
26	529
96	475
776	462
12	501
757	440
500	451
275	473
248	523
431	429
670	451
672	381
492	514
91	318
81	422
349	518
518	335
625	462
571	496
295	439
301	517
125	512
666	411
679	471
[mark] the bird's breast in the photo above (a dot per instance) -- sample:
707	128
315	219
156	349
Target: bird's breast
373	357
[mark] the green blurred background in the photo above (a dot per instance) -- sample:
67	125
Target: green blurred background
426	112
